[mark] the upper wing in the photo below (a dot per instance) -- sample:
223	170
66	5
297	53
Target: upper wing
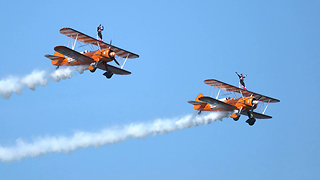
114	69
257	115
90	40
73	54
228	87
217	103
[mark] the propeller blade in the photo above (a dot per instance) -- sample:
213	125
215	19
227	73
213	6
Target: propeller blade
110	44
116	61
112	55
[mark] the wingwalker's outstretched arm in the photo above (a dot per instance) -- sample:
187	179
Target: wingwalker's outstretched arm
241	75
238	74
241	81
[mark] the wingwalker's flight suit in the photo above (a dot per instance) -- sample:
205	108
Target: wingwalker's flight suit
242	80
100	29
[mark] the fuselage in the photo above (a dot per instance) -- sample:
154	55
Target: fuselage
99	55
244	103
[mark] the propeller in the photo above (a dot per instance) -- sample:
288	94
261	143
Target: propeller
112	54
255	103
251	119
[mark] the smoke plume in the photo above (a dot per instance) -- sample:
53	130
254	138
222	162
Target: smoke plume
14	84
80	139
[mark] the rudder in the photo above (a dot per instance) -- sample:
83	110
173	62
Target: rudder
200	105
58	54
199	96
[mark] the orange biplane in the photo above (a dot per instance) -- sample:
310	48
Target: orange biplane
94	59
244	102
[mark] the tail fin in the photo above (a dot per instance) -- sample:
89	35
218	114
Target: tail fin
199	96
56	58
197	104
58	54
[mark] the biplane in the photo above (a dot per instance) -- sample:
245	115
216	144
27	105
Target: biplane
244	102
97	58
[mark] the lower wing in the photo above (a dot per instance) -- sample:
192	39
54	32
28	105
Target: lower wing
257	115
114	69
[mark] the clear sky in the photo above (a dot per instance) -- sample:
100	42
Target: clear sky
180	43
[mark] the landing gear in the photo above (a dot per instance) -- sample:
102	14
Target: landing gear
57	67
251	121
237	118
199	112
108	74
95	66
237	115
94	69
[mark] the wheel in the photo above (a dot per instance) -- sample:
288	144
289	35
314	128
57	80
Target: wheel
251	121
94	69
237	118
108	74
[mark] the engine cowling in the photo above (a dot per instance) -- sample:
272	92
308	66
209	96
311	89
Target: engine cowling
252	102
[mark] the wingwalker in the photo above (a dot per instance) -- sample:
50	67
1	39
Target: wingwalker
244	102
105	53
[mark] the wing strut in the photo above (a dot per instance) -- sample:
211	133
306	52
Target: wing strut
75	41
241	94
235	94
218	93
125	61
266	107
98	44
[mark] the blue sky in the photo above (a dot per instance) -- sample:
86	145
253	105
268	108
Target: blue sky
180	43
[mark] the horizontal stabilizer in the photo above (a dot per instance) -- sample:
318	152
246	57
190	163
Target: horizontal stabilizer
197	103
54	58
217	104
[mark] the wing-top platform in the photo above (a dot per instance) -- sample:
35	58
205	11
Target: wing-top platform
90	40
228	87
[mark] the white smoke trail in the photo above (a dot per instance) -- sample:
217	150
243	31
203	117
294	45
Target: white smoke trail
60	144
14	84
